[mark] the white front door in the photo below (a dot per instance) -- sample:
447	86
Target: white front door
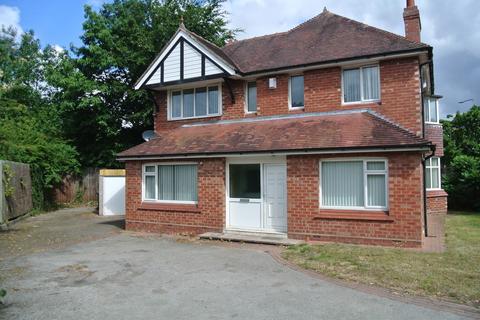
245	198
257	196
275	197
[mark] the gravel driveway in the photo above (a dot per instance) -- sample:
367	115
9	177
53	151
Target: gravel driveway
134	276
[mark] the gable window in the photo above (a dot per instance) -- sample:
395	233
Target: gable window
361	84
430	109
195	103
354	184
251	96
170	183
432	174
296	96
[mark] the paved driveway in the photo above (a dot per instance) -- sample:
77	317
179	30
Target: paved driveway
131	276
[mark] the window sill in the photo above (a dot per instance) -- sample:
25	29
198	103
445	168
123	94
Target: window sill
169	207
366	215
195	118
296	108
362	102
436	193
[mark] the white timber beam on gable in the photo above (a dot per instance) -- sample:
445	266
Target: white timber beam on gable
184	59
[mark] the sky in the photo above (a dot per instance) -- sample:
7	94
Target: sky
451	27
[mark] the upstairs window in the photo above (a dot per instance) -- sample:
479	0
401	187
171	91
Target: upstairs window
361	84
252	96
430	109
195	103
432	174
296	97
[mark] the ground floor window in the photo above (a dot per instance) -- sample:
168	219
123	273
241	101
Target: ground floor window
432	174
354	184
170	182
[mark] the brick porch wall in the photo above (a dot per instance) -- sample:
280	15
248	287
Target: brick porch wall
207	215
436	202
401	226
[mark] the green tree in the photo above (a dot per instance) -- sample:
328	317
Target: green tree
30	129
101	113
462	159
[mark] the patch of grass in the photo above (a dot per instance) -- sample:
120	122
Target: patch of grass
453	275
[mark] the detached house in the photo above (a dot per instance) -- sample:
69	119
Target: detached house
329	131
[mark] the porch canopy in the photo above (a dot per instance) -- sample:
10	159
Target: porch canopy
330	132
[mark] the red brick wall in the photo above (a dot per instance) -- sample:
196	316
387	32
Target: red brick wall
400	96
436	202
207	215
434	133
402	226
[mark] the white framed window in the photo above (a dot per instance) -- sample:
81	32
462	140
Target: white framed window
358	184
251	97
361	84
430	109
433	174
193	103
296	99
170	183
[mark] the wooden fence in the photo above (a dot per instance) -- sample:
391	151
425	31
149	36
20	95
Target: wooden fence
15	190
83	188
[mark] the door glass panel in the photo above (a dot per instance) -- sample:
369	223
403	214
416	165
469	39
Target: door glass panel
245	181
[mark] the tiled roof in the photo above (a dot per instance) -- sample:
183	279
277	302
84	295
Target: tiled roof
325	38
309	132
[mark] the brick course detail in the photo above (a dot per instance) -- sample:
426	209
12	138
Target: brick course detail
434	133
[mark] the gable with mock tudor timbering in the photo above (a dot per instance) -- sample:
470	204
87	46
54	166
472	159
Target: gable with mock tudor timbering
184	59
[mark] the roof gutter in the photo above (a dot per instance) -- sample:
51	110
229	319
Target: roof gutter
405	148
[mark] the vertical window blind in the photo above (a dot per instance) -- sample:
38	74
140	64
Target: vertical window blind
170	182
361	84
354	184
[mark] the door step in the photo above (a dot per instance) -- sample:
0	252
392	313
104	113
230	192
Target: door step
250	237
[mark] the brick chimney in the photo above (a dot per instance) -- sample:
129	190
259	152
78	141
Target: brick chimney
411	16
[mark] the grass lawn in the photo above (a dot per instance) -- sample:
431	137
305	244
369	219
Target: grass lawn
454	274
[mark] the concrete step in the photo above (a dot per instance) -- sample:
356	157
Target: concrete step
250	237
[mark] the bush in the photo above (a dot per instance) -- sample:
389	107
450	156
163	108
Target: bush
24	138
462	159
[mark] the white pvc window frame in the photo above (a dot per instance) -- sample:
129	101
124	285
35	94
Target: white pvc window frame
362	99
429	170
366	173
155	174
290	107
181	90
426	109
247	97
